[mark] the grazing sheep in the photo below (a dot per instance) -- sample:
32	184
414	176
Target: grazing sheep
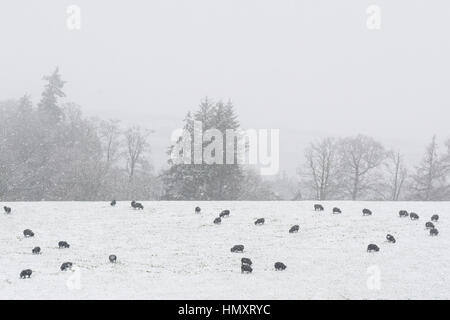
245	268
238	248
434	232
224	213
63	244
318	207
246	261
294	228
217	220
36	250
197	209
434	217
112	258
403	213
66	266
429	225
137	205
366	212
280	266
259	221
28	233
390	238
372	247
413	216
7	210
26	273
336	210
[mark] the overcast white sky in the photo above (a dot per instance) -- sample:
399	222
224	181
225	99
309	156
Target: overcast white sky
310	68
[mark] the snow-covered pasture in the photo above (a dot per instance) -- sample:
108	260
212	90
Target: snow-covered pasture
166	251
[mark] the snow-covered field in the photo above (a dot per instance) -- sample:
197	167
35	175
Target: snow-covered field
168	252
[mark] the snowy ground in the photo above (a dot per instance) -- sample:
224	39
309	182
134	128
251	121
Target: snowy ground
168	252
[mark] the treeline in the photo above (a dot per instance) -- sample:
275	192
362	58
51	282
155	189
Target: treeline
360	168
50	151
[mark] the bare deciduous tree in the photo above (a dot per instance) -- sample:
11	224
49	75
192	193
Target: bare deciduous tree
322	165
360	156
136	148
109	135
397	172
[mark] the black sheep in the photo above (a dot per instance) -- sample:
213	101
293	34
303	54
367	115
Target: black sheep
413	216
238	248
366	212
217	220
7	210
336	210
280	266
26	273
197	209
390	238
259	221
137	205
245	268
63	244
66	266
113	203
434	217
318	207
224	213
36	250
403	213
112	258
372	247
294	228
246	261
28	233
434	232
429	225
